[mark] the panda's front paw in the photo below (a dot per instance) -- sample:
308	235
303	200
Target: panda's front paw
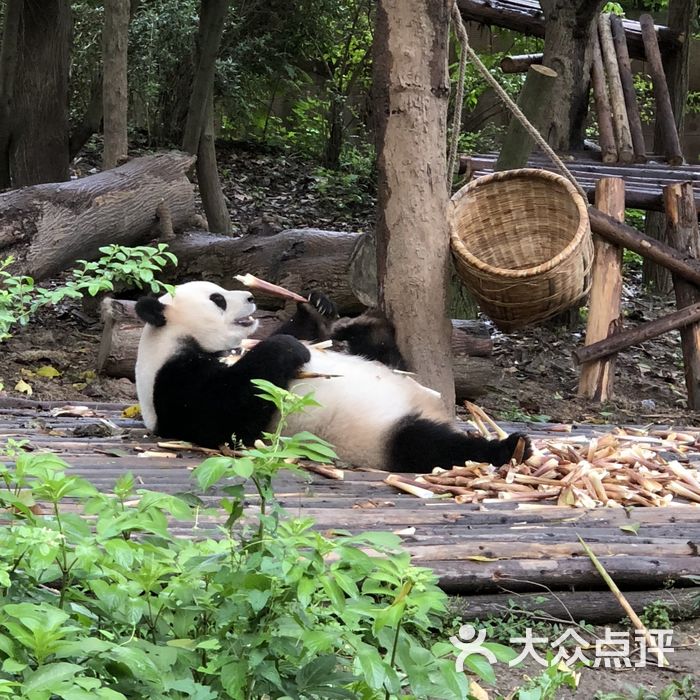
323	304
287	351
506	448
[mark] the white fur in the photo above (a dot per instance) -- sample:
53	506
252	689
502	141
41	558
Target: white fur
357	409
190	313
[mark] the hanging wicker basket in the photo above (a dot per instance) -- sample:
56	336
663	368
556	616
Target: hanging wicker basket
522	245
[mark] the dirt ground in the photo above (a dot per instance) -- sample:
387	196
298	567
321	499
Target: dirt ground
536	376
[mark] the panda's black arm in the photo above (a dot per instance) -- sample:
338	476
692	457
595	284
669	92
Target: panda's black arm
312	320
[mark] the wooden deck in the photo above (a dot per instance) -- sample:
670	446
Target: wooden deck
472	548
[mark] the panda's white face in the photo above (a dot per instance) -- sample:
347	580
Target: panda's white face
216	318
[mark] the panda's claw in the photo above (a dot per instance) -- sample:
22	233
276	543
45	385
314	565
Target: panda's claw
323	304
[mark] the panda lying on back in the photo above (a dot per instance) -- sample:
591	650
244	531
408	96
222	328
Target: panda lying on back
372	415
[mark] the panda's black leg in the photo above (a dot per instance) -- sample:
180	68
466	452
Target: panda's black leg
418	445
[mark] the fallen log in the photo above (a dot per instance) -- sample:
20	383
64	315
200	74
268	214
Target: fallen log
598	609
47	227
471	346
521	63
299	259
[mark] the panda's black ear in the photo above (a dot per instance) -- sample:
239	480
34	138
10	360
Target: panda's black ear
150	310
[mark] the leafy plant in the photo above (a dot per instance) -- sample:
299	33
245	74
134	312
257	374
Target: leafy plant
121	266
98	598
683	689
547	684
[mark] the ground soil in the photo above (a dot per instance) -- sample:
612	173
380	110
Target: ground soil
536	376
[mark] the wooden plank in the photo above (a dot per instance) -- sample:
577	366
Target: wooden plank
604	316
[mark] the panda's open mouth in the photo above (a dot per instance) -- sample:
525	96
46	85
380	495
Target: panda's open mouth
245	321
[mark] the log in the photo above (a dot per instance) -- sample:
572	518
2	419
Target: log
682	233
526	17
599	609
664	111
534	96
638	334
47	227
606	134
627	82
596	380
520	64
621	126
298	259
646	246
471	346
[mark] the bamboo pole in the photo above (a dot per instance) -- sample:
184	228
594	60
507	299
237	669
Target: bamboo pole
606	135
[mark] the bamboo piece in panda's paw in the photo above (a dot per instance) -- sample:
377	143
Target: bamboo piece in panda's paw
480	415
253	282
303	374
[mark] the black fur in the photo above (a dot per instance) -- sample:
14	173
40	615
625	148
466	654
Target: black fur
312	320
150	310
418	445
370	335
200	399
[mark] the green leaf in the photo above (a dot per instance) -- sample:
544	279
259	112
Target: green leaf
477	664
632	528
46	678
211	471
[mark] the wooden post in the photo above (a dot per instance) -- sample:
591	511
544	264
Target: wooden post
533	99
623	62
596	381
623	137
606	135
682	233
664	112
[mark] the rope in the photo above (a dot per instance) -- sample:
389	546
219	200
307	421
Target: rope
457	116
517	113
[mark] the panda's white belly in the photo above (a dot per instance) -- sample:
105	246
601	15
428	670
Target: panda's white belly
359	408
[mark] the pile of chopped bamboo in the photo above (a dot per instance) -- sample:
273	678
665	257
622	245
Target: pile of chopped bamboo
624	467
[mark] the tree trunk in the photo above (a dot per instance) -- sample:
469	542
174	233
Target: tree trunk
213	200
115	96
412	87
91	121
39	139
8	70
211	26
47	227
568	51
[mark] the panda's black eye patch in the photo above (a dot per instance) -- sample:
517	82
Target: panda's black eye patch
219	300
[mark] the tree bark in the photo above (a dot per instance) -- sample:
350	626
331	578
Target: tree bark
213	199
596	380
47	227
682	233
211	26
533	99
91	121
115	96
567	50
623	136
606	135
8	70
39	140
412	86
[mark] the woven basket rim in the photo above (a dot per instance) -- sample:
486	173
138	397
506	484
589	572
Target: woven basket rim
581	231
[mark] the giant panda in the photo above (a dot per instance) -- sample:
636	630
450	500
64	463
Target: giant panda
372	415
